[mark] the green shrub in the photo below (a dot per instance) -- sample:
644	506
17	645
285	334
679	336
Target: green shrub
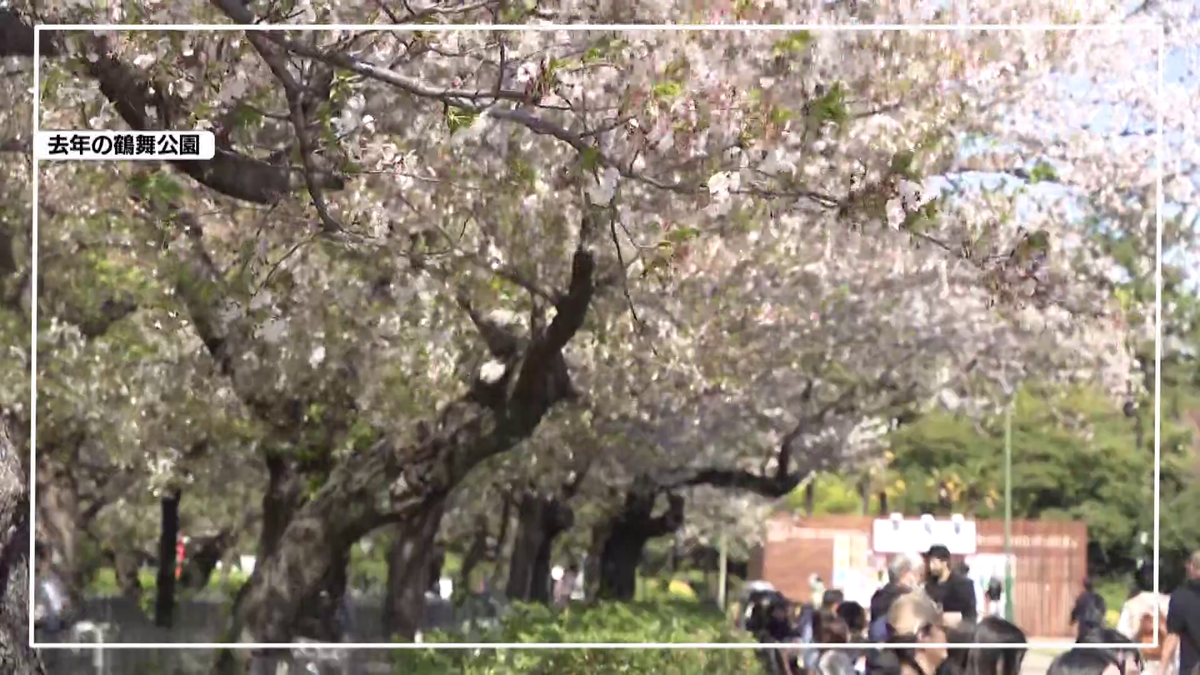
104	582
679	621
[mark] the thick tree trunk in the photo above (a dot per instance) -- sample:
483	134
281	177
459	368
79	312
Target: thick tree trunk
15	655
525	548
411	562
126	564
591	566
202	560
58	528
391	482
539	576
540	520
476	553
503	548
164	601
279	503
631	528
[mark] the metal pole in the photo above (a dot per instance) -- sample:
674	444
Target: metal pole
1008	571
723	576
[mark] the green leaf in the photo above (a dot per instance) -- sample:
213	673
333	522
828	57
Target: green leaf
676	68
831	107
157	187
668	90
793	44
682	235
459	118
779	116
902	164
589	159
1042	171
245	116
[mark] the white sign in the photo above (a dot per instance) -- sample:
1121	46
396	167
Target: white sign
124	146
916	536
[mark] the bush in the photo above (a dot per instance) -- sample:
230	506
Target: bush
104	582
600	623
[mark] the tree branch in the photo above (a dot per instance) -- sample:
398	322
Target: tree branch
95	325
16	36
296	105
229	173
469	101
21	145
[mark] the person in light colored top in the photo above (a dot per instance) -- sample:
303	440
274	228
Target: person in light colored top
1137	622
1136	607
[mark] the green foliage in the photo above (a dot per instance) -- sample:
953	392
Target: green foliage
831	107
1180	529
104	583
1053	435
681	235
601	623
1042	171
368	564
832	495
158	187
668	590
668	90
924	217
904	164
604	48
1114	590
794	43
458	118
589	159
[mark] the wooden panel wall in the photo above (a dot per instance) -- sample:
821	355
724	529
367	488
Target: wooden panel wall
1051	562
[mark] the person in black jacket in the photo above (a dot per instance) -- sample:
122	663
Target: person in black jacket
902	578
952	591
1089	611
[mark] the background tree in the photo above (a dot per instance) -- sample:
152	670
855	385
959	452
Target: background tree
341	258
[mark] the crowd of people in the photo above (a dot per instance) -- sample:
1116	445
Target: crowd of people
930	601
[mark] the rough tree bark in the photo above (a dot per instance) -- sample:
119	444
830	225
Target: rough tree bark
15	655
629	530
502	551
476	553
392	482
397	483
164	601
126	563
58	519
540	520
411	561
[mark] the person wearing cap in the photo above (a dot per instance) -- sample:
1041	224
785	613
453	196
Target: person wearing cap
952	591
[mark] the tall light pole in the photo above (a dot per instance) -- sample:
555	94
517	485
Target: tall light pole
1008	571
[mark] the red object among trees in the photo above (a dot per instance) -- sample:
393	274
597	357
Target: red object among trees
180	549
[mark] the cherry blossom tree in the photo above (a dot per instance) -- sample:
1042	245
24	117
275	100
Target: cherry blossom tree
15	270
414	250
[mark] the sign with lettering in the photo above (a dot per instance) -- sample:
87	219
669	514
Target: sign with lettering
916	536
1053	541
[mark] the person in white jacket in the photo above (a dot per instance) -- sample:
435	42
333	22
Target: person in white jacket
1137	621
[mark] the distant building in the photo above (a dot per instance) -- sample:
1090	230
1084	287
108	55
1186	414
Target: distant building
1049	559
